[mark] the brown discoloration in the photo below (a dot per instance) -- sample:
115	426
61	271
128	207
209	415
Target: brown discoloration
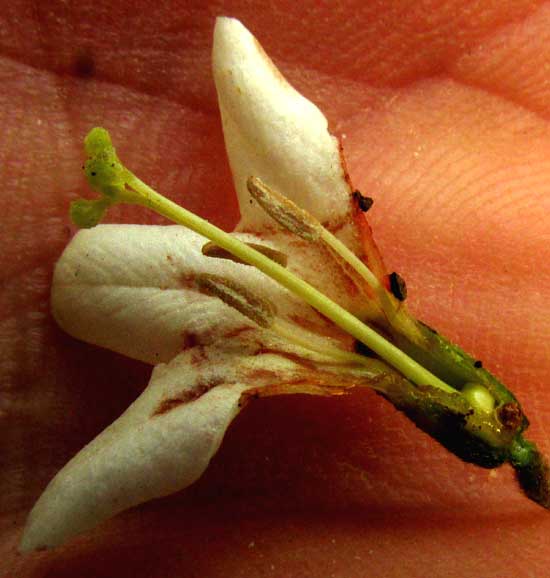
200	388
169	258
336	226
351	281
187	281
238	331
247	396
198	355
170	404
297	386
510	415
261	374
372	255
343	164
350	285
190	340
287	355
324	328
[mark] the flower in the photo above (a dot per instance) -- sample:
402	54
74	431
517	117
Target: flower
220	332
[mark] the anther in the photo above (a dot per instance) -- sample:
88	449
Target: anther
364	203
260	311
284	211
212	250
398	286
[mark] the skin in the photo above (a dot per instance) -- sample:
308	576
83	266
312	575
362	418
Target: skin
443	110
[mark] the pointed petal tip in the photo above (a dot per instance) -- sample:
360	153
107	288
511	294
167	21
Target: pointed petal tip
226	24
29	544
273	132
147	453
41	532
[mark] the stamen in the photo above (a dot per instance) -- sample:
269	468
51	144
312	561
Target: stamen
213	250
258	310
299	221
364	203
284	211
322	346
398	286
263	313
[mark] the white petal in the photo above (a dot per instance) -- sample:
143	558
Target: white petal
129	288
166	438
139	457
273	132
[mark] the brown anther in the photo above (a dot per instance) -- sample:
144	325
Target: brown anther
364	203
398	286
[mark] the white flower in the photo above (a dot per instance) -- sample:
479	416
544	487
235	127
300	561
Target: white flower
131	289
152	294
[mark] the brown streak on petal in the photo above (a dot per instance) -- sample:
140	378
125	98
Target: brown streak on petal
188	282
353	282
238	331
343	164
198	355
299	386
372	256
190	340
199	389
261	374
311	382
326	329
287	355
336	226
